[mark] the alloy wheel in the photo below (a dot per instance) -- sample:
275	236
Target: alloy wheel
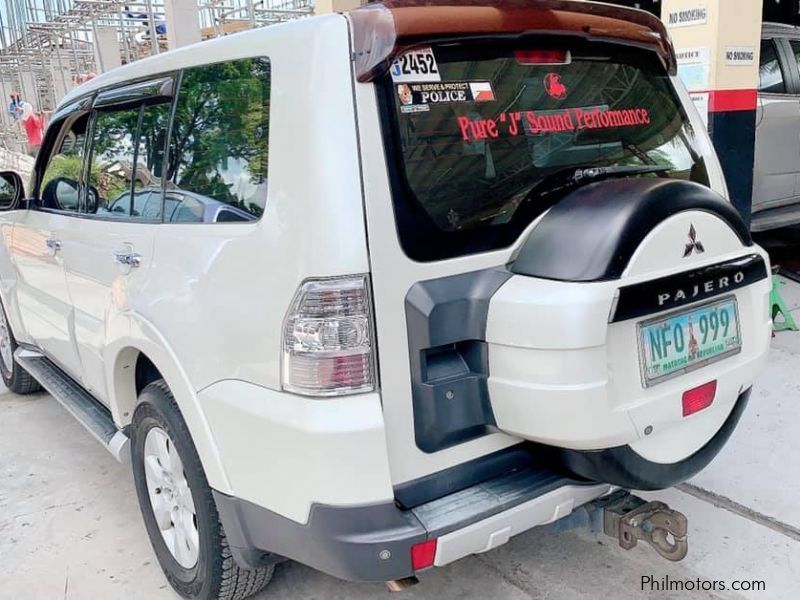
171	498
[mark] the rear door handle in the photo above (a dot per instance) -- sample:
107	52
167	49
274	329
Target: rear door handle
128	259
53	245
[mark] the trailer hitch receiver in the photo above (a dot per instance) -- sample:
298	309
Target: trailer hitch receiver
629	519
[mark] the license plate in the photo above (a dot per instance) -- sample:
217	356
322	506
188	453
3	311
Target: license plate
687	340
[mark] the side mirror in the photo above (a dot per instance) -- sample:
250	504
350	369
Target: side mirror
61	193
12	190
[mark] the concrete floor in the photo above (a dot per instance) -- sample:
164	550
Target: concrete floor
70	525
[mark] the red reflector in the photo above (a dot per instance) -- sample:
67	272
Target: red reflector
699	398
422	554
541	57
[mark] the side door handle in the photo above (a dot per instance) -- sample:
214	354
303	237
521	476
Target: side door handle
53	245
127	259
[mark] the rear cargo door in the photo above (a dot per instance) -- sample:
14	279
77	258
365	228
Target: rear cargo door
463	148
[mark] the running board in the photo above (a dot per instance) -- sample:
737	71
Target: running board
80	403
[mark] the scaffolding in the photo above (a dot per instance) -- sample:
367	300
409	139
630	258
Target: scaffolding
49	46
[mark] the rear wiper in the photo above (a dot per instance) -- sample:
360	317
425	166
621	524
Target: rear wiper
569	179
553	186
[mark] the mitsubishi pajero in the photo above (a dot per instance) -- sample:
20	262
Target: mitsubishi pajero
375	291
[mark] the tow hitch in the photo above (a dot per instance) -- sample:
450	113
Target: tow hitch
629	519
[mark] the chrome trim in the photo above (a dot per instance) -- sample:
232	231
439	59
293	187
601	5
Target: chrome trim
53	245
128	259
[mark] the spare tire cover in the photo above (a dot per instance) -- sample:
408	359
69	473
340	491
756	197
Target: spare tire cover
592	233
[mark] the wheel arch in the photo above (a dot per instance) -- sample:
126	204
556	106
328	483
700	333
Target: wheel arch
135	360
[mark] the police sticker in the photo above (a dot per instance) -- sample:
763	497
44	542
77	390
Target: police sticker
415	65
445	92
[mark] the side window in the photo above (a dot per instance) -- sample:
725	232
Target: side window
795	45
219	144
60	185
226	215
150	161
171	203
190	210
111	170
127	159
771	76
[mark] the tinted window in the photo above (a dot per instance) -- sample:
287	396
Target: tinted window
127	160
170	204
112	163
228	216
795	45
146	204
60	182
770	74
150	161
219	142
474	150
189	210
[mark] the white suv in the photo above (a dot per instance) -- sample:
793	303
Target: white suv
374	291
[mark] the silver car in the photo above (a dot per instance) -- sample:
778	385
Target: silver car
776	184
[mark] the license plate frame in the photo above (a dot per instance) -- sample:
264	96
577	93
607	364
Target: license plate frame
642	326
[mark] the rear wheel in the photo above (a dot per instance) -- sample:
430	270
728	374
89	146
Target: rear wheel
17	379
178	508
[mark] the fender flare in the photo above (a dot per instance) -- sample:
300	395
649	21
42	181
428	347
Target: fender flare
137	335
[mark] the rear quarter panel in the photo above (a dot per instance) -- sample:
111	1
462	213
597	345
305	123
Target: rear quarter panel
219	292
216	296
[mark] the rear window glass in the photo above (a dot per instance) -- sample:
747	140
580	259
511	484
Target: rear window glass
475	134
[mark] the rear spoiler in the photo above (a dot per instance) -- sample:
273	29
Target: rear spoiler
383	30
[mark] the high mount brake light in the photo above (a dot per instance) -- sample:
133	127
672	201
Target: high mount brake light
328	339
542	57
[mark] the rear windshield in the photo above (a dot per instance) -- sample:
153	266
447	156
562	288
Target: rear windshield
476	133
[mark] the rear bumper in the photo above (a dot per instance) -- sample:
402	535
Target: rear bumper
373	542
345	542
630	470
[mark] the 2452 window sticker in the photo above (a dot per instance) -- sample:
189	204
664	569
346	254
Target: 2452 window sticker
418	65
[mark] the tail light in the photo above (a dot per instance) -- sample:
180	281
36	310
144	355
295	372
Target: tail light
328	339
699	398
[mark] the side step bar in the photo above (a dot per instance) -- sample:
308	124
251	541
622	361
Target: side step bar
81	404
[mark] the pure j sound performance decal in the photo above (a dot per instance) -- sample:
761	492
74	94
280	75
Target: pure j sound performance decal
530	122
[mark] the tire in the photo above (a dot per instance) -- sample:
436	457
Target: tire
214	575
17	379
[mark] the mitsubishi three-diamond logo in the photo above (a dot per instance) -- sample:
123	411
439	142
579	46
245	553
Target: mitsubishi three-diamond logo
694	245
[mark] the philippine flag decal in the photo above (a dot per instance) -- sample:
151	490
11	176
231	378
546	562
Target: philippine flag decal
481	91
